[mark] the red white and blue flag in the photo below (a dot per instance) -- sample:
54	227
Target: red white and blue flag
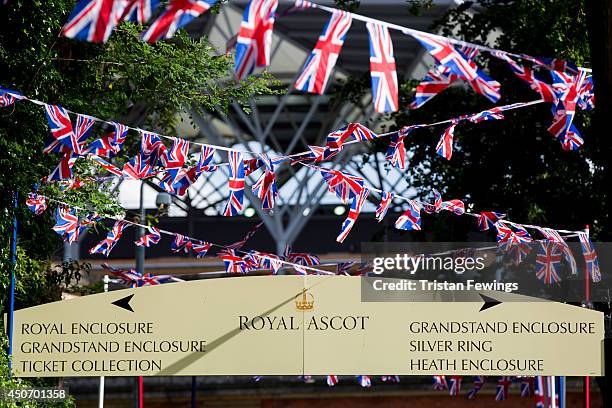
460	64
456	206
354	212
353	131
479	382
36	203
410	220
64	139
444	147
110	144
265	187
566	90
175	158
590	257
181	243
503	387
396	153
554	236
106	165
332	380
177	14
364	380
8	97
527	386
321	62
93	20
235	185
548	260
200	248
143	165
436	80
382	69
255	37
233	262
107	244
495	113
151	238
439	382
385	202
139	11
528	75
301	258
454	387
66	224
488	219
344	185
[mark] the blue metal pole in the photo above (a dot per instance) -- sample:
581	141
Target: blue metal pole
12	287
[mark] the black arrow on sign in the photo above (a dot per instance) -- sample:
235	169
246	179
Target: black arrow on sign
124	303
489	302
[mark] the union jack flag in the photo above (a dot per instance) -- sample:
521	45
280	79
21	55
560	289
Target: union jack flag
503	386
548	260
396	153
479	382
439	382
315	154
136	279
66	224
301	258
336	139
200	248
458	63
299	5
586	99
93	20
181	244
321	62
233	262
455	385
36	203
255	37
410	220
235	184
343	268
152	238
111	144
177	14
436	80
566	89
106	165
139	11
64	140
177	181
456	206
491	114
528	75
390	378
344	185
553	235
175	158
527	385
364	380
444	147
265	187
8	97
151	149
590	257
487	219
332	380
206	155
505	234
268	261
354	212
107	244
385	201
382	69
540	392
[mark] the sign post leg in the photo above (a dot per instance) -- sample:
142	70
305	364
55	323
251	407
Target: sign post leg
12	285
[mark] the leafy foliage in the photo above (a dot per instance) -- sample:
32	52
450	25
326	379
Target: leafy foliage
125	80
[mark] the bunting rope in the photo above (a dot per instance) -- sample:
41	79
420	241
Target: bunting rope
173	234
338	147
412	31
504	221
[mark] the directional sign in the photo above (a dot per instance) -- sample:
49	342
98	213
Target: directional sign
293	325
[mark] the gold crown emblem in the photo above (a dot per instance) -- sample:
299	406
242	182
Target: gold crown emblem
304	302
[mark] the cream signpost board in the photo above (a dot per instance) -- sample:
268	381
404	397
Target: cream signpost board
292	325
